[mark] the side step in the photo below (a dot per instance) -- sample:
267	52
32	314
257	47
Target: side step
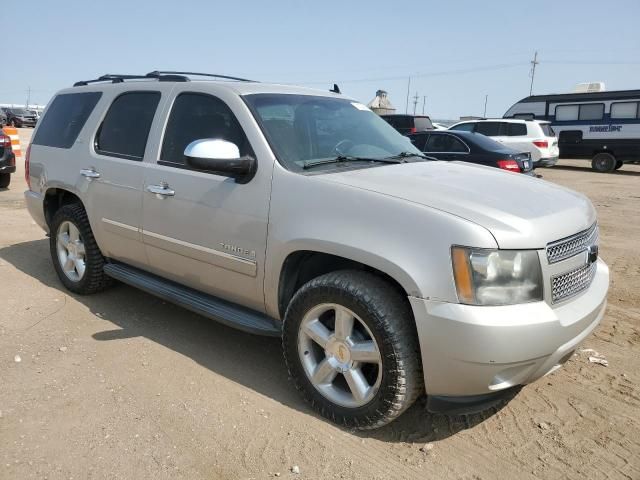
203	304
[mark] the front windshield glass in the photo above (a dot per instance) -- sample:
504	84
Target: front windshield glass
19	111
304	128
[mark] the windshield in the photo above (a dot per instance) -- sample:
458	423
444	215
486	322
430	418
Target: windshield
19	111
304	128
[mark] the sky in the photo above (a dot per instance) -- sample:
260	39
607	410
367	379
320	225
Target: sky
456	53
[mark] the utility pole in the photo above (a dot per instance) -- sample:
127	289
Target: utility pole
534	62
28	98
424	101
415	102
406	107
484	115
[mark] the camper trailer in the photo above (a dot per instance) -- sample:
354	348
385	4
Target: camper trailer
601	126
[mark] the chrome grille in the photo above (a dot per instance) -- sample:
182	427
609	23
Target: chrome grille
570	246
571	283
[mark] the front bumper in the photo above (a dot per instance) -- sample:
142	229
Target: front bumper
474	350
545	162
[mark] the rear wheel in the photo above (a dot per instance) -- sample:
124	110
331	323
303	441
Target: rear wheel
5	180
603	163
351	348
619	164
75	253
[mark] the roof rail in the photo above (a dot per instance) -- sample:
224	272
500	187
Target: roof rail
118	78
226	77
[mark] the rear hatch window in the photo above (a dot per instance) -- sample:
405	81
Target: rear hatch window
423	123
399	121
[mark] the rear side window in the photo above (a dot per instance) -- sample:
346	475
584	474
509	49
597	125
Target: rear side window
565	113
440	143
490	129
65	117
592	111
465	127
516	129
197	116
125	128
423	123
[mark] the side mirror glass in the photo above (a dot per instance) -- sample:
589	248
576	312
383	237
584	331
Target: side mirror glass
220	157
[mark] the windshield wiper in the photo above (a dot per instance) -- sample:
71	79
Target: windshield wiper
350	158
403	155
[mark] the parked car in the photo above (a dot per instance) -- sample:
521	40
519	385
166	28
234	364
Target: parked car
534	136
473	148
35	113
7	160
406	124
300	213
19	117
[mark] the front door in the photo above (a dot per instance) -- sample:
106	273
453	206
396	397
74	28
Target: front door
204	230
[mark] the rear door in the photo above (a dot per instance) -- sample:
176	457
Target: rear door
208	232
516	136
445	146
112	173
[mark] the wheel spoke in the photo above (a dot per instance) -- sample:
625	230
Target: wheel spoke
79	266
74	234
63	238
68	264
365	352
318	332
344	323
357	383
324	373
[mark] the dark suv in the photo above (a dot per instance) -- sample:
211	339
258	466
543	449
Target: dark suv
7	160
19	117
407	124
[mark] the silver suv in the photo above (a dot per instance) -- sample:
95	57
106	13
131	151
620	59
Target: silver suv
300	213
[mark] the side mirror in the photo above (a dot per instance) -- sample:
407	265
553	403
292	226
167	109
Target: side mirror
220	157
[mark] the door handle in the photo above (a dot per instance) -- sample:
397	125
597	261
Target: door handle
89	173
161	190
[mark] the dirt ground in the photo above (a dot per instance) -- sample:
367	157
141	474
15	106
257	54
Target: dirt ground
123	385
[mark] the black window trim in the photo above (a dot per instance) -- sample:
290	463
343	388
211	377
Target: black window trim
637	102
579	105
124	156
183	166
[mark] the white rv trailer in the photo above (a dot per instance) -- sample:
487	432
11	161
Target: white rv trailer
601	126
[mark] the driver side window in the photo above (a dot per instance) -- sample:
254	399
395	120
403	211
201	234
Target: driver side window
195	116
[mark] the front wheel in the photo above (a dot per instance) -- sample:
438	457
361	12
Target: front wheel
351	347
603	163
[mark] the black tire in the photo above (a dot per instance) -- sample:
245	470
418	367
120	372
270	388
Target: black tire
94	279
619	164
387	314
603	162
5	180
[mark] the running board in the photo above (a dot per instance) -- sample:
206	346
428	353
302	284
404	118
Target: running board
203	304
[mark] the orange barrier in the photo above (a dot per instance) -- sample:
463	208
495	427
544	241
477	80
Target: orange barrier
12	133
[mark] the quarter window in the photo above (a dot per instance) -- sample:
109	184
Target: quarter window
65	117
624	110
125	128
197	116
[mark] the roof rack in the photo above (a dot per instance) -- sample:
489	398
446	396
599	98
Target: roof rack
118	78
161	76
213	75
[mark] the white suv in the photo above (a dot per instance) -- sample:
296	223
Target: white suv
534	136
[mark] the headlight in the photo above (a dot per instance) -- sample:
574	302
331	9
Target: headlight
496	277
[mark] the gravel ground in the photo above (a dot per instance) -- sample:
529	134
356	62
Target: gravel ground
123	385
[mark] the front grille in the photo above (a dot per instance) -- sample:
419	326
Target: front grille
570	246
568	284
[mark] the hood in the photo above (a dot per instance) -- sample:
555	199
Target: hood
519	211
